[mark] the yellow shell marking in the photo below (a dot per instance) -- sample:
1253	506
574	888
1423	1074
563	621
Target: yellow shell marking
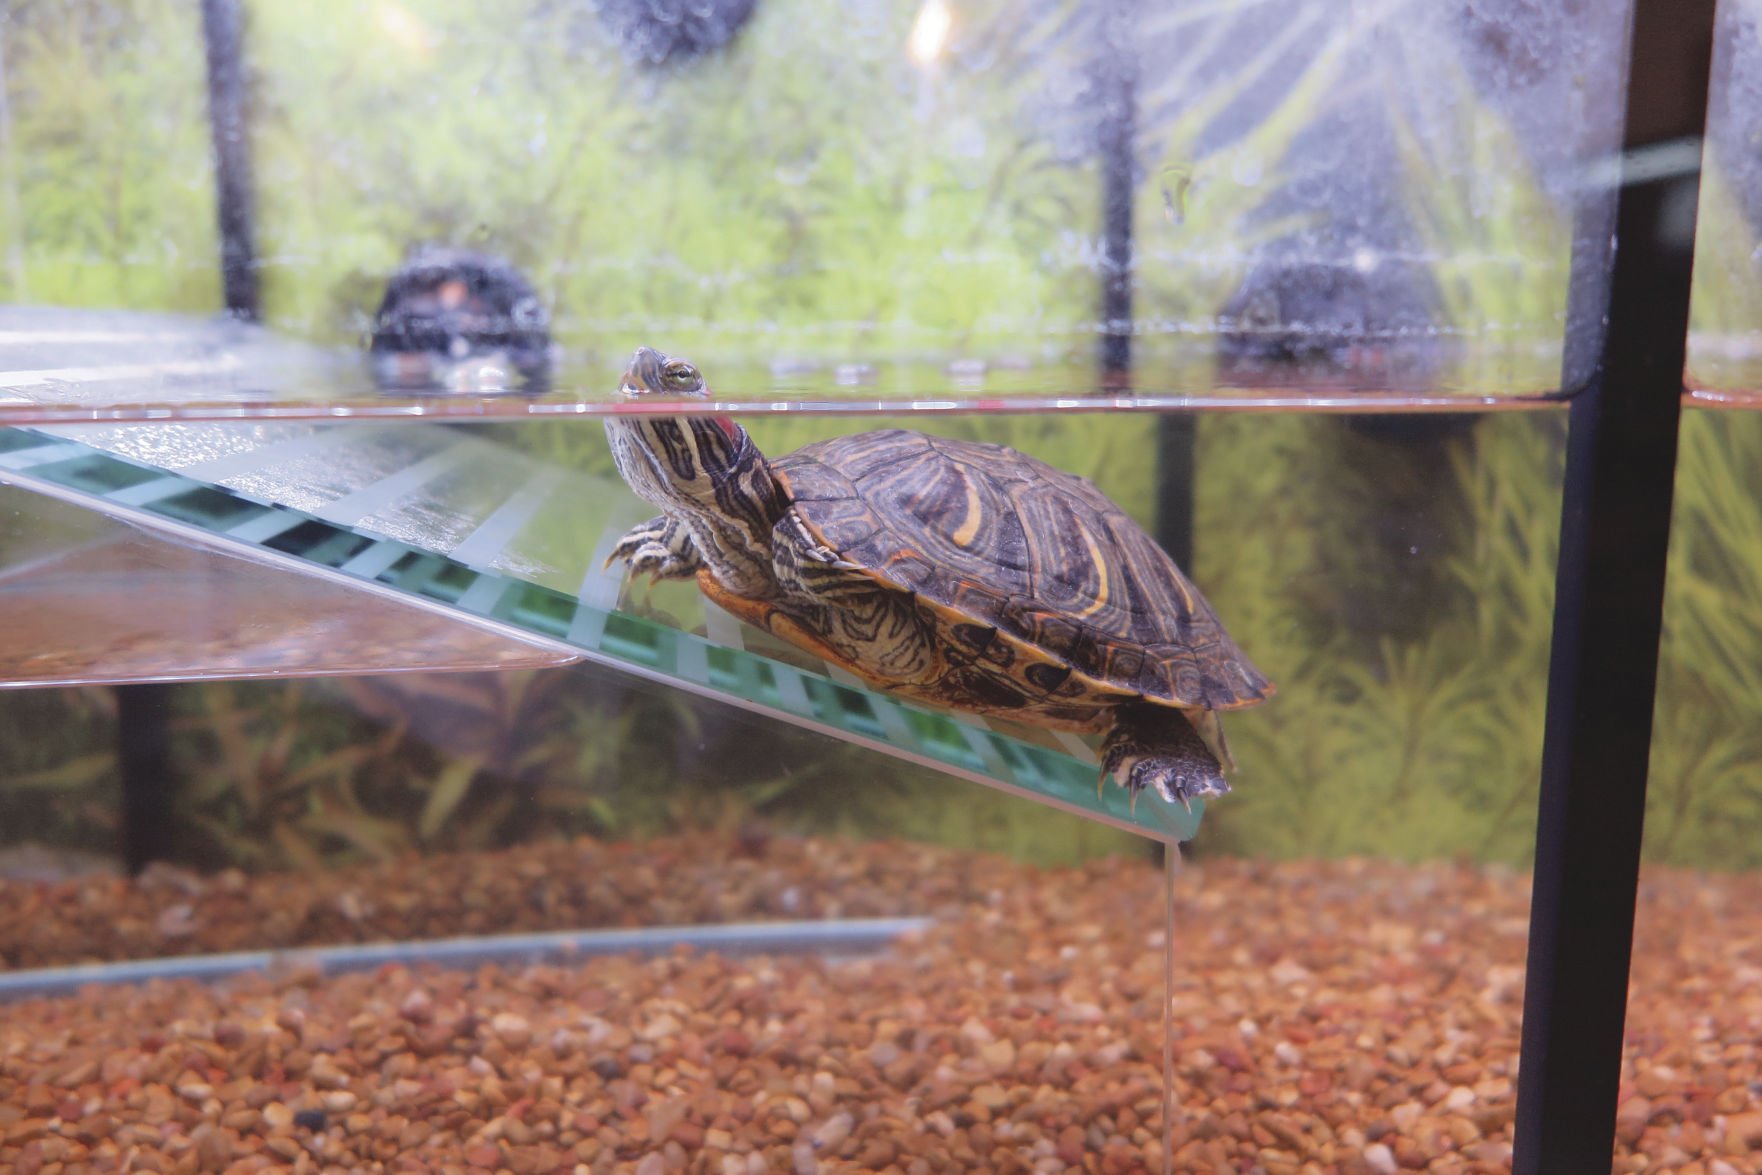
969	527
1186	596
1099	562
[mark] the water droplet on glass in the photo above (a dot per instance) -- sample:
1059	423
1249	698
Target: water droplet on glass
1174	182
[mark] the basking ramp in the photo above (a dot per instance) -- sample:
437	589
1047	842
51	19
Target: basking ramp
367	547
209	523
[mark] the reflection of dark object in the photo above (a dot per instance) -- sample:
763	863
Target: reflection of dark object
1344	251
1397	519
656	31
1344	327
451	317
1371	323
1176	434
1412	426
1341	327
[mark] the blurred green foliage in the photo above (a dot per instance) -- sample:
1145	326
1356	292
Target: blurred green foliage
750	233
1416	743
301	774
852	204
1705	800
106	190
59	783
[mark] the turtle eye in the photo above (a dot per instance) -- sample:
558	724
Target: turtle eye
680	375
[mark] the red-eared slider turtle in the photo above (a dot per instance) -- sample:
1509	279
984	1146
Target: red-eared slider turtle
963	574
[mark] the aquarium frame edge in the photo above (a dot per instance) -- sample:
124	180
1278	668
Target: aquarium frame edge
1608	618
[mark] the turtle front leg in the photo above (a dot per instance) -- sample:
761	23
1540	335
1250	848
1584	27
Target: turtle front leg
660	548
1154	746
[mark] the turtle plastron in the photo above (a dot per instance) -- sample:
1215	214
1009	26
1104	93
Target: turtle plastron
762	616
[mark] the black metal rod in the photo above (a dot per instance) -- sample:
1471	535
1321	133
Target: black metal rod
1609	597
1117	82
223	28
143	755
1175	455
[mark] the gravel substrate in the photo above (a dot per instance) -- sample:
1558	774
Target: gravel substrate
557	886
1346	1016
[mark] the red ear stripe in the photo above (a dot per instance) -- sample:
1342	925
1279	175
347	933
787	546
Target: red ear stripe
728	427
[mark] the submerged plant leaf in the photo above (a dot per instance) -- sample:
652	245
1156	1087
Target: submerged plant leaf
445	794
74	774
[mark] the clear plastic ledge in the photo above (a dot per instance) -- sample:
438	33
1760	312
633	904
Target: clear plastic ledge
75	367
87	599
583	622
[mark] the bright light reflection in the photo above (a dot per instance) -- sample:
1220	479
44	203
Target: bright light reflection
404	29
930	32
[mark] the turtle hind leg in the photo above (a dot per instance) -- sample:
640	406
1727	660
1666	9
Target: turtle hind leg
1156	746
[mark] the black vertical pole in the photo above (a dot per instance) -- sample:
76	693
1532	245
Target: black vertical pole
1118	129
1175	436
1609	596
143	754
1117	85
143	741
223	27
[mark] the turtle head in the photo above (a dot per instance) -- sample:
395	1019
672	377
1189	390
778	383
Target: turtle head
653	374
701	469
668	458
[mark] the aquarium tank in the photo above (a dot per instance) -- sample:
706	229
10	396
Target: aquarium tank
660	586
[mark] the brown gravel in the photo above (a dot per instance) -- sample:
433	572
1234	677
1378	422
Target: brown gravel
1348	1016
558	886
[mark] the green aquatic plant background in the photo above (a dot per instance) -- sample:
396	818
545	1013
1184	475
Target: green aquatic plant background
106	190
707	205
851	204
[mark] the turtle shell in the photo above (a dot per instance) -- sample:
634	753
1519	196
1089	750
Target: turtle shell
1002	543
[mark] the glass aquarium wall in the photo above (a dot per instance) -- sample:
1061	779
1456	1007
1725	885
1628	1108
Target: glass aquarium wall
1398	199
1725	340
512	859
551	830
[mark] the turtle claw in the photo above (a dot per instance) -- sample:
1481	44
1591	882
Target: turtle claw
1175	786
1162	751
660	548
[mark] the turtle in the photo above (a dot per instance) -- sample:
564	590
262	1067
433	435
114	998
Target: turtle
958	573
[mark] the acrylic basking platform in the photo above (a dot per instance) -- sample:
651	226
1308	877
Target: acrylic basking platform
181	550
88	598
69	367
